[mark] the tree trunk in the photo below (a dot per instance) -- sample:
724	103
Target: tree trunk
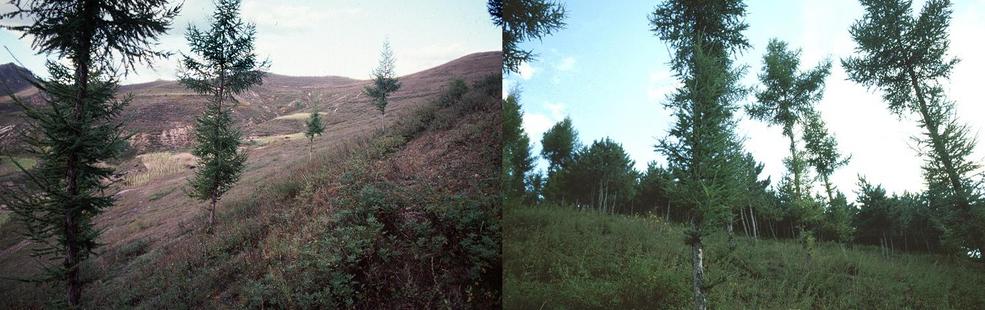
742	217
731	234
752	217
214	199
72	165
668	210
383	121
827	188
698	272
795	162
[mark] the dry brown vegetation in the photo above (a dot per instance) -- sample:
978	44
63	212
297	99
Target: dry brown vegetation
277	221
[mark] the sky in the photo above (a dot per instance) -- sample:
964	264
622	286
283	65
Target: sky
610	74
319	38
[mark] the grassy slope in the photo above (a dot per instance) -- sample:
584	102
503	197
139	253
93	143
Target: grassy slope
407	219
562	258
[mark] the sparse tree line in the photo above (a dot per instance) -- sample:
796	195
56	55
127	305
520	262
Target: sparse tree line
76	130
711	184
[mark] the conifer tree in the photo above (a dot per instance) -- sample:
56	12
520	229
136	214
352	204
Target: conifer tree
822	152
788	96
523	20
76	129
906	58
222	65
702	148
517	160
384	82
314	128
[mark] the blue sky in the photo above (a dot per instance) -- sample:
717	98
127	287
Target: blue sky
317	37
609	73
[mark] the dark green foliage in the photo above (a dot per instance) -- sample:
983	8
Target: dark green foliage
517	160
456	90
523	20
314	127
702	150
836	224
653	191
602	177
559	144
76	128
905	57
384	82
223	65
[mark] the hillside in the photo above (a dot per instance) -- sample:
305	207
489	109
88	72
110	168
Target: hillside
408	218
162	113
563	258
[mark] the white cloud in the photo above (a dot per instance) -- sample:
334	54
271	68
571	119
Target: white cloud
557	110
535	124
661	82
566	64
526	71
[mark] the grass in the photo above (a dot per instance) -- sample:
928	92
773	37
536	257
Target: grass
157	165
298	116
563	258
265	140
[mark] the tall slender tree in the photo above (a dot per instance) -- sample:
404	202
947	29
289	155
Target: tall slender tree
521	21
787	96
222	65
906	58
77	128
384	82
822	152
517	159
702	147
314	128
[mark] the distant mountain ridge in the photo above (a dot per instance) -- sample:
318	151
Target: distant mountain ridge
162	112
14	78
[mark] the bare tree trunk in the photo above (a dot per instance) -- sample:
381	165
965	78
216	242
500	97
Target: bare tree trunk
731	234
383	121
698	272
668	210
752	218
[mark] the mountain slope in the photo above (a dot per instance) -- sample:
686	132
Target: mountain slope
354	226
162	113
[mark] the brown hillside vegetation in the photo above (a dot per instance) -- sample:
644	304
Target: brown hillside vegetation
162	112
409	218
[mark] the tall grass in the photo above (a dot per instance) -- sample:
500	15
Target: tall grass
157	165
562	258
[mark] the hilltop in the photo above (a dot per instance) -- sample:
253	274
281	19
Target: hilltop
406	218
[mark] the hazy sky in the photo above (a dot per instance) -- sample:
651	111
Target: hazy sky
610	74
318	37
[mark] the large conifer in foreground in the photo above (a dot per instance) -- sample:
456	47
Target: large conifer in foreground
702	150
905	57
76	128
223	65
384	82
